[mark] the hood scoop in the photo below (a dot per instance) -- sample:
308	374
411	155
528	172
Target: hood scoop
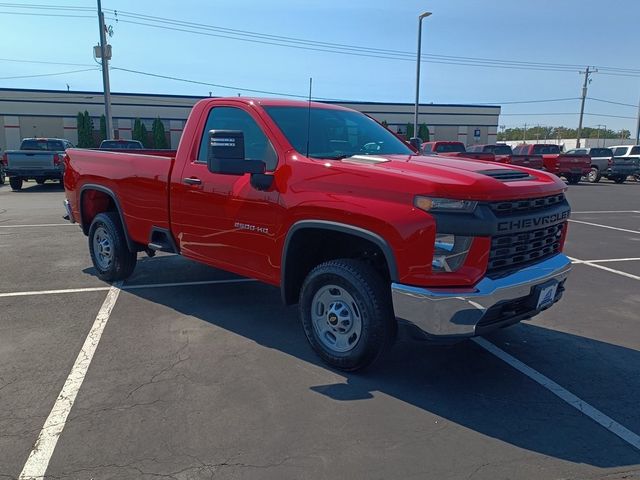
506	175
366	159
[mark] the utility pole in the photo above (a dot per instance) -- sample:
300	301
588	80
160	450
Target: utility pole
105	73
638	126
524	134
586	73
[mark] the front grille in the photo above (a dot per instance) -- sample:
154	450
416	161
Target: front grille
526	205
516	250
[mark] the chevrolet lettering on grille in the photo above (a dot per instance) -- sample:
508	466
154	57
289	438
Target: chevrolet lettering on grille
526	223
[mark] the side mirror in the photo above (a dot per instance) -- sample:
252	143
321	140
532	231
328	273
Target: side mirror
225	154
416	142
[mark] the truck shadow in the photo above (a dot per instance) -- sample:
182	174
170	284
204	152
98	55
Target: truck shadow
462	384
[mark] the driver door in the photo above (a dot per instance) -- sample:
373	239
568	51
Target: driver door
221	219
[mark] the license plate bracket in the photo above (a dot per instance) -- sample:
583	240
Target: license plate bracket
544	295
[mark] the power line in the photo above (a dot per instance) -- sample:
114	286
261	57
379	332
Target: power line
48	74
30	14
44	62
217	85
315	45
612	102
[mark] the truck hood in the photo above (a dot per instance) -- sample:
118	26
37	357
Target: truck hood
454	177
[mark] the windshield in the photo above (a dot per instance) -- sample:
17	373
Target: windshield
335	133
120	145
546	149
47	145
453	147
501	149
601	152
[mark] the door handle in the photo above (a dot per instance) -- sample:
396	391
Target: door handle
192	181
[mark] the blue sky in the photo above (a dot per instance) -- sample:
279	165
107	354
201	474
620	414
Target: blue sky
581	32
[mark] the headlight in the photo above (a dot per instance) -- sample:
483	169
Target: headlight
449	252
429	204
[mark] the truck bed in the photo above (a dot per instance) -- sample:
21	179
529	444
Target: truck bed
139	181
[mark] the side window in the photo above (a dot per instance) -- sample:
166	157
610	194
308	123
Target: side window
635	151
426	148
256	144
620	151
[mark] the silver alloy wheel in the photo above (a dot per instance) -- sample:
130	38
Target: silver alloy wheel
336	318
103	248
592	176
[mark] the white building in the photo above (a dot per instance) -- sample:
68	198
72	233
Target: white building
53	113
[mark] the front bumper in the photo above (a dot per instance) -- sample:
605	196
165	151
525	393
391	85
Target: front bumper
492	303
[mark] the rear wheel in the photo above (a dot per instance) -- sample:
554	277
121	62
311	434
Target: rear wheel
594	175
346	312
620	179
110	254
16	183
2	177
573	179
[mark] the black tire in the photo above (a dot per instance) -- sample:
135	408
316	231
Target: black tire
40	181
620	180
2	177
113	260
593	176
16	183
371	306
574	179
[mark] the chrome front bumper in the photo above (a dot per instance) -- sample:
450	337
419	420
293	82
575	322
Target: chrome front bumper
459	312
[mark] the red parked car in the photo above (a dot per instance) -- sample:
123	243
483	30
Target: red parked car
572	167
350	222
504	154
454	149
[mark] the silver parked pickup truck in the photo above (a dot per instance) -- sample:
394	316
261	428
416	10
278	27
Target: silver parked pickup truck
605	163
40	159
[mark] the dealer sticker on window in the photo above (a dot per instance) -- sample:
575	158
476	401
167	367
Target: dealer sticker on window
547	296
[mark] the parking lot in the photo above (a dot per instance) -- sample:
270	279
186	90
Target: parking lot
195	373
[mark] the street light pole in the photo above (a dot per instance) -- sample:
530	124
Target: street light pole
417	105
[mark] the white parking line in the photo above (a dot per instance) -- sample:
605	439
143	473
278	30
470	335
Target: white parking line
593	413
607	211
53	292
602	267
38	460
41	225
608	260
124	287
605	226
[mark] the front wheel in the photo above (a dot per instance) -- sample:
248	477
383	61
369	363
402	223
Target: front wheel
40	181
594	175
620	179
110	254
2	177
573	179
16	183
346	312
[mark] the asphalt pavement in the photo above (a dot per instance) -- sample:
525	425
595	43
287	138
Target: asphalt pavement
192	372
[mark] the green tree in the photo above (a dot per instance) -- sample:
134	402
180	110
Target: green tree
409	130
85	130
423	132
103	128
384	124
140	132
88	124
158	134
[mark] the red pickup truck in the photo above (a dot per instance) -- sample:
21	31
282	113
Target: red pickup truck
504	154
455	149
572	167
351	223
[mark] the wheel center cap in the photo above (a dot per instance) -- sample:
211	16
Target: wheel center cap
333	319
